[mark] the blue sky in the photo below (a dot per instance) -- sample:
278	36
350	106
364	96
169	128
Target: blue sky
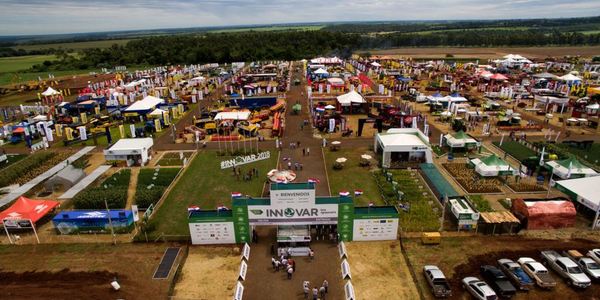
68	16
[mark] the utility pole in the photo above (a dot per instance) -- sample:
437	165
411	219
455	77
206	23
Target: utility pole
112	230
444	202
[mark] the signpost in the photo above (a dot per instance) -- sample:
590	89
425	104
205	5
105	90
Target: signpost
246	252
246	159
243	270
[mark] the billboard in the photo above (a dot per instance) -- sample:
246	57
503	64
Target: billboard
293	214
375	229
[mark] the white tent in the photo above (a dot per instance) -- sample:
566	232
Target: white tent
50	92
569	78
460	140
561	168
492	166
583	190
144	105
157	112
233	115
403	145
349	98
321	71
375	64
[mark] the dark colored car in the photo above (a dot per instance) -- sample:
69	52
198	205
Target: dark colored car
498	281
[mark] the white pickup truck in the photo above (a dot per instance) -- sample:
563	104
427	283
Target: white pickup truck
587	264
566	268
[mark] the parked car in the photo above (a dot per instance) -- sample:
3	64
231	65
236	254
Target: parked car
594	254
588	265
537	272
498	281
515	273
566	268
437	281
479	289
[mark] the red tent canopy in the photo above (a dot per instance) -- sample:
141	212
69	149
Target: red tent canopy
498	76
27	209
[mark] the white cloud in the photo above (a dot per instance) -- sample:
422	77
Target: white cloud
67	16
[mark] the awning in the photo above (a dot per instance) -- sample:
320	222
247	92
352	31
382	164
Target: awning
349	98
27	209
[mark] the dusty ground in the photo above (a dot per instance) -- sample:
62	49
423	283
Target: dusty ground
262	282
461	257
487	53
216	268
379	271
67	272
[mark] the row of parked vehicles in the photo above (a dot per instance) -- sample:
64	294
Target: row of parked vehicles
508	276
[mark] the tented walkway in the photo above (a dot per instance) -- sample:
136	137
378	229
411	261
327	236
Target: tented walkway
437	181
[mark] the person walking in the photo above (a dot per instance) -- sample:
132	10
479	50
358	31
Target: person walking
277	265
289	165
315	293
273	260
306	291
311	254
298	144
307	151
326	285
290	271
303	151
322	292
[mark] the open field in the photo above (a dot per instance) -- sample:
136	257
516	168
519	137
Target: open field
459	257
215	267
18	63
488	53
269	28
74	45
379	271
81	271
204	184
353	176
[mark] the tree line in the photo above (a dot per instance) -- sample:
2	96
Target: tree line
293	45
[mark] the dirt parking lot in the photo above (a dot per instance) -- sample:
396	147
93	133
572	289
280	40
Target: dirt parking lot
462	257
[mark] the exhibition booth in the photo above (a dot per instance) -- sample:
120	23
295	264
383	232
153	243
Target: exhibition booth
399	146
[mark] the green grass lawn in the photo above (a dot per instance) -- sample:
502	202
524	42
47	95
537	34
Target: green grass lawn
74	45
204	184
592	155
481	204
18	63
172	159
421	216
352	176
516	150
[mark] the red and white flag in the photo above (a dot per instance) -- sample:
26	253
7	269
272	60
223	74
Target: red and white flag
314	180
236	194
344	193
193	207
358	192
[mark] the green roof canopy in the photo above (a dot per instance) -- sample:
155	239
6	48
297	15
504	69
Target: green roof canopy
573	162
461	135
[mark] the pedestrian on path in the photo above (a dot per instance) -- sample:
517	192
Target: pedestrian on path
290	271
277	265
273	260
298	144
322	292
303	151
326	285
315	293
289	165
311	254
307	151
306	291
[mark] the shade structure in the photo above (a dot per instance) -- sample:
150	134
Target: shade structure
492	166
50	92
583	190
321	71
145	105
341	160
545	75
28	209
569	77
460	140
349	98
570	168
158	112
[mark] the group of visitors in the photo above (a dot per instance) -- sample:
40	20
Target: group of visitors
316	292
286	263
238	173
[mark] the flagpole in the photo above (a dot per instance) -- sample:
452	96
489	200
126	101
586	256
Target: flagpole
34	231
7	234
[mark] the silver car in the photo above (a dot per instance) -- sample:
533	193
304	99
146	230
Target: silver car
479	289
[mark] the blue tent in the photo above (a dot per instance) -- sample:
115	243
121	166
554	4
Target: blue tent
81	221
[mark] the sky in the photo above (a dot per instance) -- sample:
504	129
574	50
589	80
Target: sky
72	16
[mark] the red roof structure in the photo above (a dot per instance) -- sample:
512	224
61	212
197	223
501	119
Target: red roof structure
27	209
542	214
498	77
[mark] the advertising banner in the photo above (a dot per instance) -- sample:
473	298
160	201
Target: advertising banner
375	229
240	223
345	221
293	215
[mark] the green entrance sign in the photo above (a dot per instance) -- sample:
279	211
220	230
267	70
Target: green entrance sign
345	219
240	221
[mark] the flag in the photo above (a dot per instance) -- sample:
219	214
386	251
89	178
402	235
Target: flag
314	180
236	194
193	207
344	193
222	207
358	192
371	204
570	167
542	156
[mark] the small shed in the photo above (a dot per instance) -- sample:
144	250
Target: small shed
544	213
498	222
64	179
133	151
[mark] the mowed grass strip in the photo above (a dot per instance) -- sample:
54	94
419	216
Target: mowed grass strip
516	150
204	184
19	63
353	176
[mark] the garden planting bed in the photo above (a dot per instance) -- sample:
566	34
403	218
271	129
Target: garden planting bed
30	167
525	187
470	181
113	190
516	150
152	183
